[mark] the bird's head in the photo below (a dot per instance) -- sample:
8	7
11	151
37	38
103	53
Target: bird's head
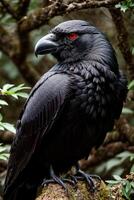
69	40
75	40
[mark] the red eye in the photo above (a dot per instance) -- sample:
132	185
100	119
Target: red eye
72	36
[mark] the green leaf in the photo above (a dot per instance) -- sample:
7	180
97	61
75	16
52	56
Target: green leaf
7	86
132	184
132	169
132	50
15	96
18	88
126	154
132	157
112	182
22	94
3	152
131	85
2	149
124	193
10	89
1	117
6	92
122	7
127	111
128	187
125	5
117	178
9	127
1	127
2	102
4	157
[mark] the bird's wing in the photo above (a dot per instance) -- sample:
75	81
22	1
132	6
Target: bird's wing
45	103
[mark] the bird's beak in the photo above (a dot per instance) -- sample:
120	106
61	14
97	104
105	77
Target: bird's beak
46	45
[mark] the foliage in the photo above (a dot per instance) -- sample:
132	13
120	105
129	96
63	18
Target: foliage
132	50
125	5
127	111
15	92
115	165
127	155
127	186
4	155
131	85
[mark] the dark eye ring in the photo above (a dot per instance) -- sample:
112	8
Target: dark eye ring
72	36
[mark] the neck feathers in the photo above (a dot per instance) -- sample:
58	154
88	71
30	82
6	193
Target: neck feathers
103	53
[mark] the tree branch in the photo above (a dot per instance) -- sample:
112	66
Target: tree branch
8	42
41	16
125	130
20	44
16	50
80	192
9	9
103	153
123	42
22	8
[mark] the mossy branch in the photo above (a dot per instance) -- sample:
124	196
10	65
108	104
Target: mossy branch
79	192
82	192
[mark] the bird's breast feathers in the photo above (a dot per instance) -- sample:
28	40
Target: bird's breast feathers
93	92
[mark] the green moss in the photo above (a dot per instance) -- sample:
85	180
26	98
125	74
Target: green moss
79	192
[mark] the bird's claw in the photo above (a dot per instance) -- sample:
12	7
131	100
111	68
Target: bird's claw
56	179
60	181
80	175
88	177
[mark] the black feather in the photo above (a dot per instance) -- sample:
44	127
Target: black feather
69	110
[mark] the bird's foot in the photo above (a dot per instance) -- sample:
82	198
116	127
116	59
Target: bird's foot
81	175
60	181
56	179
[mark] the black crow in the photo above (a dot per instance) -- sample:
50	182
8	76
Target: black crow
69	110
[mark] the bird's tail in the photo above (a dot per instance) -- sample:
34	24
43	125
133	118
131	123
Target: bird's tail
22	192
